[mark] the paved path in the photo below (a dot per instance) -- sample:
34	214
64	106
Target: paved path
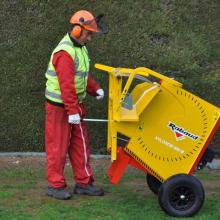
214	165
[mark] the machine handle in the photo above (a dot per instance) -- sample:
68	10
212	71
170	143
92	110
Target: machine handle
114	71
138	71
95	120
147	71
104	67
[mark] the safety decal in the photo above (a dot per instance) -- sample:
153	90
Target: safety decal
168	144
181	133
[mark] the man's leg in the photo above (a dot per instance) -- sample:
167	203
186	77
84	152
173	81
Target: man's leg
57	136
79	153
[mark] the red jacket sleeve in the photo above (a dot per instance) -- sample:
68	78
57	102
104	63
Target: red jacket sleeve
92	86
64	64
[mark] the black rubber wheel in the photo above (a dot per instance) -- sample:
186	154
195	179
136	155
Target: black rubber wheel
153	183
181	195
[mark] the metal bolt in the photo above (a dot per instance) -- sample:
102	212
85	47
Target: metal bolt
182	197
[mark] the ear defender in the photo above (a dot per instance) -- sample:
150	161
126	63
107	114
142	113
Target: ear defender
76	31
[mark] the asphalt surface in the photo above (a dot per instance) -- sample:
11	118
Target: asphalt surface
214	165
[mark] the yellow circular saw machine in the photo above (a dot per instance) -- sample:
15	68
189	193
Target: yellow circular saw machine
167	130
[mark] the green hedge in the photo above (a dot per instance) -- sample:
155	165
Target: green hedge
178	38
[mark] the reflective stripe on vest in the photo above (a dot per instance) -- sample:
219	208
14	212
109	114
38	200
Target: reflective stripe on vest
76	60
53	73
53	94
81	68
66	43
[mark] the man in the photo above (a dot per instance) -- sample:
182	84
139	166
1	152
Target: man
68	80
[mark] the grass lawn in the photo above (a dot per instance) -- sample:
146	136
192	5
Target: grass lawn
22	195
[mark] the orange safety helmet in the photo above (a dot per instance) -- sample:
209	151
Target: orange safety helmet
83	19
86	20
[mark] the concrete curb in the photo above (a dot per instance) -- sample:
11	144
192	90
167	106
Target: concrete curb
214	165
42	154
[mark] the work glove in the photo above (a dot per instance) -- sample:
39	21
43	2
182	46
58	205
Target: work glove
100	94
74	119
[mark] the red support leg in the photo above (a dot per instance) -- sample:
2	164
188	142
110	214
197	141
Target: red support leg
118	167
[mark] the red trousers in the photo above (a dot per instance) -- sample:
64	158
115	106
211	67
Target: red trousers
62	138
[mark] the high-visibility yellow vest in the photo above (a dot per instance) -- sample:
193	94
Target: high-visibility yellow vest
81	70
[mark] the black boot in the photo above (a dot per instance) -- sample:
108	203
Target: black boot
58	193
89	190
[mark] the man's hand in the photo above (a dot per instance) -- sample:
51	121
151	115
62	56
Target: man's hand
74	119
100	94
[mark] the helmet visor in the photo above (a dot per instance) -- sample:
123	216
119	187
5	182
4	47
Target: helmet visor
96	25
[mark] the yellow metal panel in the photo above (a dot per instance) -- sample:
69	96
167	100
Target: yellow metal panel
175	127
144	97
128	115
168	126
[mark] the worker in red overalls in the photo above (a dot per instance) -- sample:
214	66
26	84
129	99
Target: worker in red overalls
68	81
